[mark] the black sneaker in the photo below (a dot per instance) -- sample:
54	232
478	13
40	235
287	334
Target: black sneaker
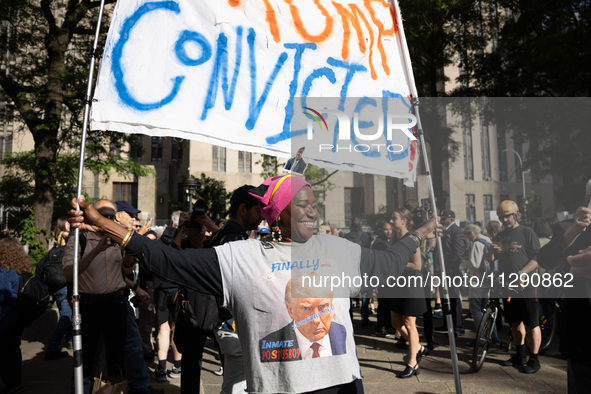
515	361
533	366
382	333
160	375
175	373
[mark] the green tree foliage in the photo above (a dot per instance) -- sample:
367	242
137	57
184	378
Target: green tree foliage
432	29
540	49
214	193
30	234
319	178
271	166
45	49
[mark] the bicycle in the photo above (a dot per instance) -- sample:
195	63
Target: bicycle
548	327
484	334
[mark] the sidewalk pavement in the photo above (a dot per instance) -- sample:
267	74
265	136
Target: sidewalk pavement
379	358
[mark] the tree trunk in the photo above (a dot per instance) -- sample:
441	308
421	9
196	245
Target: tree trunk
45	179
46	135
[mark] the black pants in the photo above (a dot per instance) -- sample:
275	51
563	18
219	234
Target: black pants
428	322
11	360
103	316
384	316
190	342
455	306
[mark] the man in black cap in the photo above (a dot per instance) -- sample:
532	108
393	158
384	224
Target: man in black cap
137	371
126	214
454	246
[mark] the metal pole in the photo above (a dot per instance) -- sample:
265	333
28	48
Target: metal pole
76	318
448	317
522	178
410	79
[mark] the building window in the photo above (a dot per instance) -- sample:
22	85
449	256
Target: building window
504	197
6	129
485	148
125	191
468	159
470	208
115	144
135	147
176	151
156	149
487	202
353	203
502	144
218	159
244	161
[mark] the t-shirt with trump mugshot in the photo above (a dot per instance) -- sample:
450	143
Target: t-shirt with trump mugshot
300	333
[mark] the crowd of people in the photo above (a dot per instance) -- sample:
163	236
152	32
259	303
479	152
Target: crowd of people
144	293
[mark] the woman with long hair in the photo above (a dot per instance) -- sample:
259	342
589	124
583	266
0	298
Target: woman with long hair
290	341
411	300
13	262
61	231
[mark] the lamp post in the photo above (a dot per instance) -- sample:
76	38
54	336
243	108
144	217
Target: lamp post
522	177
190	186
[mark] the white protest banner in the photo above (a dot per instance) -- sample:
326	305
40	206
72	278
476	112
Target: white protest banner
226	72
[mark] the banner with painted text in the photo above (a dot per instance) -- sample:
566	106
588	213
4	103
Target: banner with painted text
229	73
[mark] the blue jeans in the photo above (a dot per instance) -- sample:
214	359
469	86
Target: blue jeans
365	306
234	380
64	326
137	372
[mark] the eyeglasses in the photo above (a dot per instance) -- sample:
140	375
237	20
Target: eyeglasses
505	216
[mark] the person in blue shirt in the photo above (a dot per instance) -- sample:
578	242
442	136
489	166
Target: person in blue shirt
13	262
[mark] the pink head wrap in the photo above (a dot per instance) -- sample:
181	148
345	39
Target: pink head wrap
275	194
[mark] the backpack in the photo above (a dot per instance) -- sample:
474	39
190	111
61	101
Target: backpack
360	238
32	299
199	310
52	268
484	264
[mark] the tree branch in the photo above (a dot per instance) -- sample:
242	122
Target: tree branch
16	93
325	179
93	4
46	9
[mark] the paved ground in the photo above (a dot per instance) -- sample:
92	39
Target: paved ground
379	359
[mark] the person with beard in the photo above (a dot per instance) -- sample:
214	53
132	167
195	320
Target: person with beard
382	242
516	248
296	164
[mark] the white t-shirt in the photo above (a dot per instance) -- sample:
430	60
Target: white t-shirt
254	276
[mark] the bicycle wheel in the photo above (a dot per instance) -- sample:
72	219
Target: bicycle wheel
548	324
483	339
